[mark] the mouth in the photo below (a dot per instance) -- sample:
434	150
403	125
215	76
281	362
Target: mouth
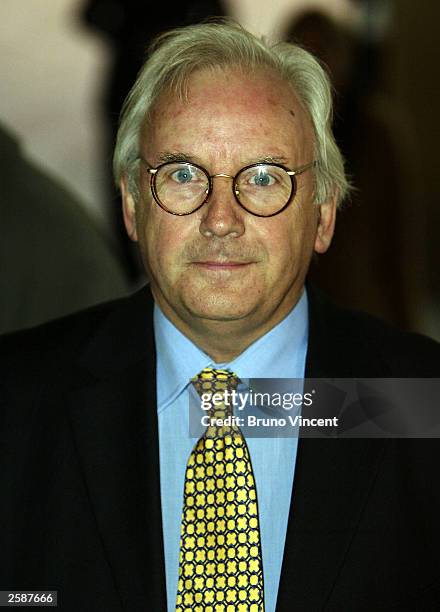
219	266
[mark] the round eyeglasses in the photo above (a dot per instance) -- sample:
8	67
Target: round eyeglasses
262	189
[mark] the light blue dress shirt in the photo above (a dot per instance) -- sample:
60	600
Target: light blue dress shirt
281	353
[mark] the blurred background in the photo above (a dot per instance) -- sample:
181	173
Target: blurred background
65	68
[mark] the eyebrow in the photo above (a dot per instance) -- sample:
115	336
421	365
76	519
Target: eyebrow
271	159
168	156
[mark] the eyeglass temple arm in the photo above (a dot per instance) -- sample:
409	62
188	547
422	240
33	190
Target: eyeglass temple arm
301	169
148	167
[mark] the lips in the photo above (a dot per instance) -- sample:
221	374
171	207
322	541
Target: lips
222	265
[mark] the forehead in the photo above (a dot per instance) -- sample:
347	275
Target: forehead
231	111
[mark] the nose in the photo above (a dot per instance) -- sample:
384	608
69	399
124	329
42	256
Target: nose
221	215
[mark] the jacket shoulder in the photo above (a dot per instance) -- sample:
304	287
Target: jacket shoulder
57	335
367	345
43	355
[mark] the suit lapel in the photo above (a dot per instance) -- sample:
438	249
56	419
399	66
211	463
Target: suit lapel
332	477
114	420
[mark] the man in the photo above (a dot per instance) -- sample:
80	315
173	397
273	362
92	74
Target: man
230	180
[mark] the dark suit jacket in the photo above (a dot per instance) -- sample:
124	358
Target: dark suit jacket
79	475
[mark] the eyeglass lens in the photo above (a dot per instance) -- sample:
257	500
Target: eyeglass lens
262	189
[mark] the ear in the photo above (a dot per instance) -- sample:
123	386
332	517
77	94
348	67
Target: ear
326	225
128	210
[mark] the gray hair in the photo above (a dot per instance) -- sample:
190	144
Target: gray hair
177	54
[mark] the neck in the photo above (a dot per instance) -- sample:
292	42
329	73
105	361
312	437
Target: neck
223	341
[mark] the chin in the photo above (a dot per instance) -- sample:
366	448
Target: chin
219	307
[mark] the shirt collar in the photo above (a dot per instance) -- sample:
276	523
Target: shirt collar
280	353
178	359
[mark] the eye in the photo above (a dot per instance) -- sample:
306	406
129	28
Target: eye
182	175
262	179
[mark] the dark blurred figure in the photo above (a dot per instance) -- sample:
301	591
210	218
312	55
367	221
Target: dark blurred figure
53	259
130	26
376	261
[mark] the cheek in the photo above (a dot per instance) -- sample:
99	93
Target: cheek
290	242
162	241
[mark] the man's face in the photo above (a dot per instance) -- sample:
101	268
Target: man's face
221	263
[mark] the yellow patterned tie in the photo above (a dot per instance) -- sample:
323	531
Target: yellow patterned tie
220	567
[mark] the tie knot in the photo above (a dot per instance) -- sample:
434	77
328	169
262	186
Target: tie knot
211	380
216	387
